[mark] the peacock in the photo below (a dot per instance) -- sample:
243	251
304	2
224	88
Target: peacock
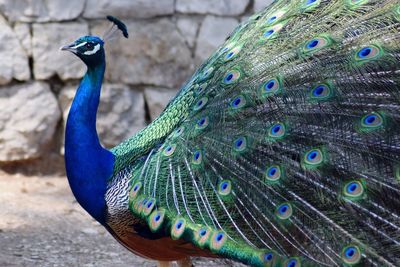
283	148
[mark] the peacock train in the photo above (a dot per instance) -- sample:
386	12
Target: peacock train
282	149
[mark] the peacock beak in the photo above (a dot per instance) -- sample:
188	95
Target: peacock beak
71	47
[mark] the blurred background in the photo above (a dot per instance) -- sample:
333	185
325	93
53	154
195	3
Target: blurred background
40	223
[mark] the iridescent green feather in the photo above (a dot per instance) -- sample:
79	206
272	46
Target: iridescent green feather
283	149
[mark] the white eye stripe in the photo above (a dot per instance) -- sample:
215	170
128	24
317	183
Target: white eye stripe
79	45
94	51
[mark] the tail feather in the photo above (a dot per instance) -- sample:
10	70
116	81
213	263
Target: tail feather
288	150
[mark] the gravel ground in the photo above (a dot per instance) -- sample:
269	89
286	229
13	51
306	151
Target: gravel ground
42	225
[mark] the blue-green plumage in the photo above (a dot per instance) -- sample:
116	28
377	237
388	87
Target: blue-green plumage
283	149
88	164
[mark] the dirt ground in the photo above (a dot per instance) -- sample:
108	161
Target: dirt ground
42	225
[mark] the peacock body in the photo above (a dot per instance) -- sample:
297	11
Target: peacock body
283	149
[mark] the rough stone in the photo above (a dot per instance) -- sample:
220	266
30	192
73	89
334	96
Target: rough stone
120	114
128	8
13	58
188	27
28	119
212	33
23	32
47	57
154	54
222	7
261	4
157	99
41	10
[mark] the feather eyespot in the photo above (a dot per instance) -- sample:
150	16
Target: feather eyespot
317	44
156	219
200	104
321	92
238	102
271	87
273	173
271	32
353	190
202	232
271	19
268	33
225	188
312	44
232	53
219	237
314	157
351	254
240	144
148	206
179	131
141	204
275	17
202	123
277	131
178	228
292	262
206	73
226	48
368	53
197	157
229	55
169	150
365	52
217	241
135	190
371	121
201	236
284	211
231	77
268	256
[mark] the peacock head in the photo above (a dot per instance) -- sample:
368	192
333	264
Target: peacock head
90	49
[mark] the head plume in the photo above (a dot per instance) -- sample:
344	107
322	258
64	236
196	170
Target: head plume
116	26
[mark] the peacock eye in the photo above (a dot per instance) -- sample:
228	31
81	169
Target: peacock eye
89	46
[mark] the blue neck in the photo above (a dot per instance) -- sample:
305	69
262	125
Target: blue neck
88	164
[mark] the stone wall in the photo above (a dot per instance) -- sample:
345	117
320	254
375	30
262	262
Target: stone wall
168	40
